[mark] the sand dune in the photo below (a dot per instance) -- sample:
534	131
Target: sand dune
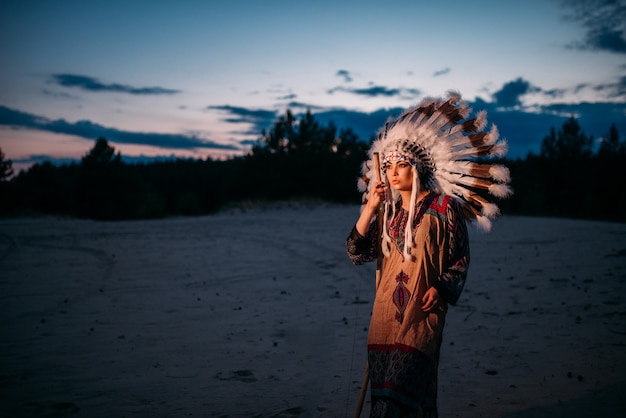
259	313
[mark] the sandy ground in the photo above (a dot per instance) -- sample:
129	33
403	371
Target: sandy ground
259	313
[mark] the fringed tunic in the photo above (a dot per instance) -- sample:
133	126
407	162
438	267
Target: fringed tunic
404	341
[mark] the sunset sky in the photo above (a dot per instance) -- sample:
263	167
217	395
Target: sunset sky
204	78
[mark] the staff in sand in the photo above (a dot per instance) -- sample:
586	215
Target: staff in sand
433	184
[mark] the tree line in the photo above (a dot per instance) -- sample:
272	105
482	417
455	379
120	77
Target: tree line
300	159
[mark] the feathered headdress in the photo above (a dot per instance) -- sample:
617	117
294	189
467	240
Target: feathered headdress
448	151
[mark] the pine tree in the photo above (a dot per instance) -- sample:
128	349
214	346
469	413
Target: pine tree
6	167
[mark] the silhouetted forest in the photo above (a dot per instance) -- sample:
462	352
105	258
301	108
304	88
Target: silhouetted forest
299	159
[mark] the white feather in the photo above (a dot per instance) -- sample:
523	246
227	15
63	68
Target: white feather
500	173
500	190
361	185
483	223
481	120
493	135
490	210
500	149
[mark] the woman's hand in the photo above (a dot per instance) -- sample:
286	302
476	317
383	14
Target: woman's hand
430	300
377	195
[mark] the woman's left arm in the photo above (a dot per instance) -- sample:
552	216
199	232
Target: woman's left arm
451	282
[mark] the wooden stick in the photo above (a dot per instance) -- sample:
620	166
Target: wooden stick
379	218
366	378
379	266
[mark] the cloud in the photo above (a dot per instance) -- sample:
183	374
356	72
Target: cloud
58	95
58	161
441	72
614	90
304	106
92	84
523	128
90	130
370	91
365	125
376	91
244	115
594	118
523	131
604	22
555	93
345	74
42	158
259	119
510	94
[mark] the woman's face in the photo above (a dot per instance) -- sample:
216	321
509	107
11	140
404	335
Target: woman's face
399	175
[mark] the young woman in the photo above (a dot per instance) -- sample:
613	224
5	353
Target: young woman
428	192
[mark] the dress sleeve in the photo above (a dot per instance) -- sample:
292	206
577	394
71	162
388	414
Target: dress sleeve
450	284
363	249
